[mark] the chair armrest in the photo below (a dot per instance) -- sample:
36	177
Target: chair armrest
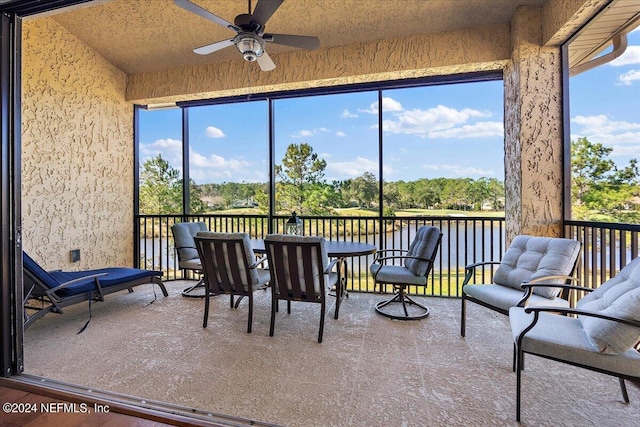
379	254
529	285
258	262
402	257
536	282
331	265
478	264
565	310
471	268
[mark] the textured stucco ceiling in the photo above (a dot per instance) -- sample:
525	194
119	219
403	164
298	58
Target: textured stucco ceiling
141	36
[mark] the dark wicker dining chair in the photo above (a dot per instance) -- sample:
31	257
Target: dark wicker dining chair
300	271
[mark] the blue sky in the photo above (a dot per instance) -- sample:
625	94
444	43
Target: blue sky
448	131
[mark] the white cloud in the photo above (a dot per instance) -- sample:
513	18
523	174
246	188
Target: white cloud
601	124
477	130
629	77
170	149
388	105
463	171
302	134
356	168
431	121
214	132
216	162
162	145
305	133
211	168
630	56
341	134
627	150
622	136
346	114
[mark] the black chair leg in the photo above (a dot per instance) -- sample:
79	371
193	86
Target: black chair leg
518	383
321	323
274	308
250	314
463	317
623	386
206	311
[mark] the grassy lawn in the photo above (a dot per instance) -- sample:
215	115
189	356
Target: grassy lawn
419	212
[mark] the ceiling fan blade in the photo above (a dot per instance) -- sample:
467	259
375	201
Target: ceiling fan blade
210	48
194	8
303	42
265	62
264	9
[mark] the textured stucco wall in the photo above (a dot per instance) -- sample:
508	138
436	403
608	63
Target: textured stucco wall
77	152
533	131
478	49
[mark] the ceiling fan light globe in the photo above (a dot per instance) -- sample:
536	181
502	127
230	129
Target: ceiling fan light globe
250	56
250	46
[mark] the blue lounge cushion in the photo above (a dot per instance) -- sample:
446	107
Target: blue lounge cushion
114	276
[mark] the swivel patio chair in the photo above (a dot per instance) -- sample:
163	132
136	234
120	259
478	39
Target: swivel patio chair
528	258
300	271
601	338
417	262
183	233
230	268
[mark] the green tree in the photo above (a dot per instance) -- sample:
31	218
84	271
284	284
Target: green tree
160	187
298	176
363	189
196	205
599	189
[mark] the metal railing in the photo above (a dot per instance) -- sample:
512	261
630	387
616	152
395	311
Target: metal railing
465	240
606	247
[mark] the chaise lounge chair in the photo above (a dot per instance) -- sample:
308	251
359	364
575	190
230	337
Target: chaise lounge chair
57	289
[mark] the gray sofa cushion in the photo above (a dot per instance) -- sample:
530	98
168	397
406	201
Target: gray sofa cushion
505	297
530	257
618	297
422	246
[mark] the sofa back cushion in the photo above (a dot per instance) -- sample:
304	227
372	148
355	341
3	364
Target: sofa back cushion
617	297
531	257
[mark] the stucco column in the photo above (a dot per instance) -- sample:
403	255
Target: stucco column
533	131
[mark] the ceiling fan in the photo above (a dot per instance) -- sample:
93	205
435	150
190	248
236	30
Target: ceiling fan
250	38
